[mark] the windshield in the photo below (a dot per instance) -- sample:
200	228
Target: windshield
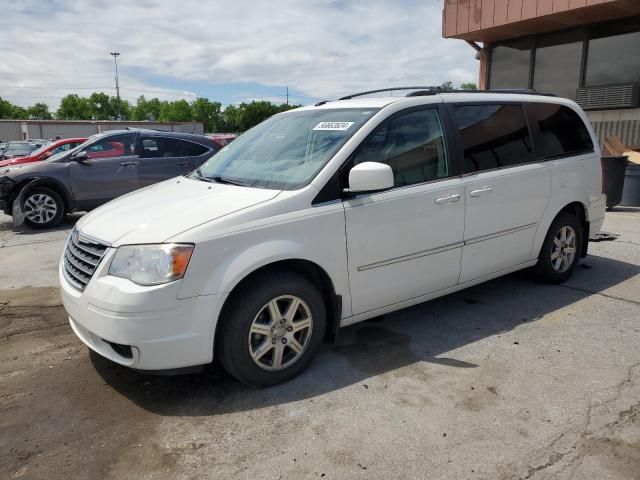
286	151
38	151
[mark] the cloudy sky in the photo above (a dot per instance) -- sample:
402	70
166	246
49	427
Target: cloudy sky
229	51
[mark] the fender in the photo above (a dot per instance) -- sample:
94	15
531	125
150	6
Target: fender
17	209
244	261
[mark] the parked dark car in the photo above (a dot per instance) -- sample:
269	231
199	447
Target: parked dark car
106	166
20	148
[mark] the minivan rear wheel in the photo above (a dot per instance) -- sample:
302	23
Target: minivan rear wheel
43	208
272	329
560	252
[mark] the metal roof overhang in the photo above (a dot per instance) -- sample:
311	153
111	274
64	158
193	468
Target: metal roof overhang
554	21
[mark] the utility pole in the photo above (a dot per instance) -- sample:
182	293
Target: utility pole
287	96
115	61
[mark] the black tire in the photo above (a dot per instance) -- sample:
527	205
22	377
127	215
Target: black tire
233	345
46	223
545	270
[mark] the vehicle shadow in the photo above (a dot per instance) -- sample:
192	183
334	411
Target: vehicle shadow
67	222
425	333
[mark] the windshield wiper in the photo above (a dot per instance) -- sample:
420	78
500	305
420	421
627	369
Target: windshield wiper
198	175
221	179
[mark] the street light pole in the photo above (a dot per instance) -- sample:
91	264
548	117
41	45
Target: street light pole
115	61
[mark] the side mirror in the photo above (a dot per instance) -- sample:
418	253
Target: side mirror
46	154
370	176
80	156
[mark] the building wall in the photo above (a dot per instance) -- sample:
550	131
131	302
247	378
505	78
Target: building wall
10	131
489	20
21	129
625	124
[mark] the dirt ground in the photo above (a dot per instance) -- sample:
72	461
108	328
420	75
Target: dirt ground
506	380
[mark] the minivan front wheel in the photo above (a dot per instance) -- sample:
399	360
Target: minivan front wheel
272	329
43	208
561	249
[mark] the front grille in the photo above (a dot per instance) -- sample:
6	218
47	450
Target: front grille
81	258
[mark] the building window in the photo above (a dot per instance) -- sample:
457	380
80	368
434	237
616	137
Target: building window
510	64
557	63
613	60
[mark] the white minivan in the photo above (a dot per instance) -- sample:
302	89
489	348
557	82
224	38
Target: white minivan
328	215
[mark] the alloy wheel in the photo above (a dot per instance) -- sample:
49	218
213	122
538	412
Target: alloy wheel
280	333
40	208
563	250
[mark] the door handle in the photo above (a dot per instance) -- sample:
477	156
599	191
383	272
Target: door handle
449	199
183	164
477	193
128	164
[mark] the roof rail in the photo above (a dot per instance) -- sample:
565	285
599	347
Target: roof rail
521	91
434	90
360	94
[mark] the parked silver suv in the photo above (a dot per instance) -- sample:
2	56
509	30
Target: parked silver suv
104	167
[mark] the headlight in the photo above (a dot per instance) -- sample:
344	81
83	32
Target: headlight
151	264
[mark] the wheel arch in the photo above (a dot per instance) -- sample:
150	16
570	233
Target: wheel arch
47	182
578	210
575	208
306	268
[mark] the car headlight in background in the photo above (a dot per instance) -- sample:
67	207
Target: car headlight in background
151	264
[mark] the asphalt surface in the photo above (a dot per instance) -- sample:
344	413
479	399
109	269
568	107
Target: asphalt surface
506	380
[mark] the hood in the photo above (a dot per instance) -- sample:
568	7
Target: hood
16	160
161	211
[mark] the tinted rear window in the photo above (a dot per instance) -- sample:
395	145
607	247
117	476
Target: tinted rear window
493	136
194	149
562	131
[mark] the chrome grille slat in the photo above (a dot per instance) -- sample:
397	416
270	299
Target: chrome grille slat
72	281
77	265
86	249
80	259
75	273
78	254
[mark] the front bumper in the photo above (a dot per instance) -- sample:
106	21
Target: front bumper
147	328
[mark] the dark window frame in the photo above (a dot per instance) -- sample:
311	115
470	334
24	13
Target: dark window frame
160	138
536	134
454	167
333	189
459	142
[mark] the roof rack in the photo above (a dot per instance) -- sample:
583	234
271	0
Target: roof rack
434	90
521	91
360	94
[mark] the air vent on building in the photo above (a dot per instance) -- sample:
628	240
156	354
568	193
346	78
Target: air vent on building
606	97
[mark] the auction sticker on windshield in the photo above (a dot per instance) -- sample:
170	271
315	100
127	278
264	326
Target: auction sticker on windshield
340	126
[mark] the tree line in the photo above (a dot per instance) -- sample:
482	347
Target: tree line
101	106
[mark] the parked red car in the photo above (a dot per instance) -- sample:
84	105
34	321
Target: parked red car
45	151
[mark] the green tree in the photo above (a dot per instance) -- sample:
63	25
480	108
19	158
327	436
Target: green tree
100	106
9	110
447	86
39	111
468	86
209	113
146	109
177	111
73	107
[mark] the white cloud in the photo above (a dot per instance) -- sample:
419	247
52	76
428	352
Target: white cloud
320	48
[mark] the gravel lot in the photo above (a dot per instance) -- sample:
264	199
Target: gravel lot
506	380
